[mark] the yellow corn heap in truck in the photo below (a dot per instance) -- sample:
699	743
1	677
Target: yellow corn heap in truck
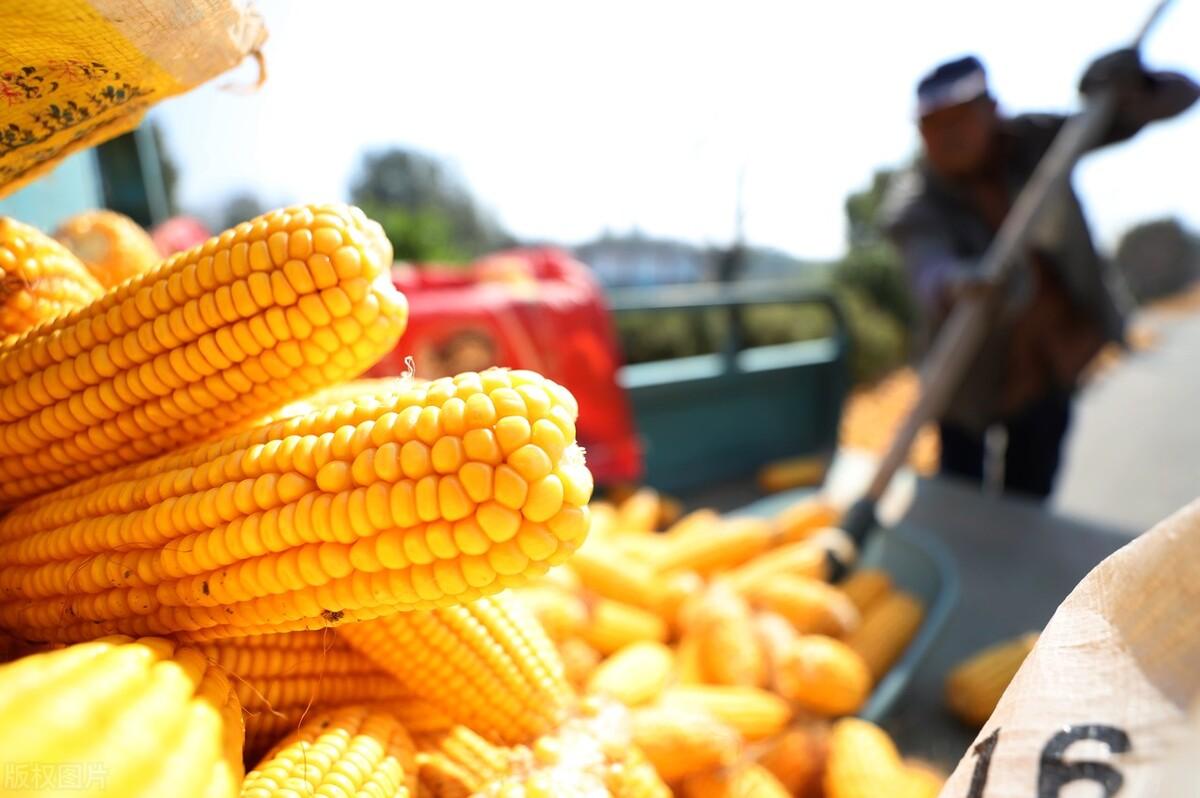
112	246
40	279
391	501
218	335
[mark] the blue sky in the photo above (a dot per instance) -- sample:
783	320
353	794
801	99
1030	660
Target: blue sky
567	119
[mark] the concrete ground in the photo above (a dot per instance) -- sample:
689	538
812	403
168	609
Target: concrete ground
1133	456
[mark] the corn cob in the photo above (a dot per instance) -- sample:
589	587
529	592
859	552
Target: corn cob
640	512
866	586
616	578
727	546
678	590
579	660
863	762
112	246
614	625
214	337
805	518
348	751
486	664
824	676
689	669
797	759
697	522
149	719
741	781
796	559
812	606
361	509
457	762
922	781
40	279
753	712
682	741
416	715
635	675
886	630
562	614
974	687
728	648
266	729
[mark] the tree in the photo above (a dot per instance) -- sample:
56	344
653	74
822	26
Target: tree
1158	258
862	210
417	191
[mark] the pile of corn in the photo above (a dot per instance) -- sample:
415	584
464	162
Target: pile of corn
872	416
734	653
227	567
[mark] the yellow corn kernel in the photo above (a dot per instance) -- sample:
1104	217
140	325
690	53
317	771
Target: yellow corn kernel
728	648
457	762
40	279
683	741
486	664
149	717
805	518
262	532
866	586
579	660
886	630
562	613
975	685
797	758
824	676
730	544
169	357
635	675
863	762
812	606
352	750
740	781
752	711
614	625
111	245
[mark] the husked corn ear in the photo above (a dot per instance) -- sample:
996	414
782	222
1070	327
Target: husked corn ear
682	741
797	758
679	588
812	606
824	676
604	572
579	660
486	664
752	711
697	522
286	654
863	762
974	687
457	762
614	625
150	718
796	559
886	630
342	753
866	586
640	512
730	544
689	669
729	649
417	497
805	518
635	675
214	337
111	245
740	781
561	613
922	781
40	279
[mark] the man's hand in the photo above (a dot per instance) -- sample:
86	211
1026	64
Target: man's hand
1121	71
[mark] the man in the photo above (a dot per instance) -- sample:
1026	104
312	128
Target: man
1059	309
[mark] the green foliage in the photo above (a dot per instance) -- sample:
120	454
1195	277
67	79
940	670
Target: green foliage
862	210
422	236
878	342
875	272
429	207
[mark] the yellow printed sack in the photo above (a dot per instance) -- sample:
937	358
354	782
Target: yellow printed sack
74	73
